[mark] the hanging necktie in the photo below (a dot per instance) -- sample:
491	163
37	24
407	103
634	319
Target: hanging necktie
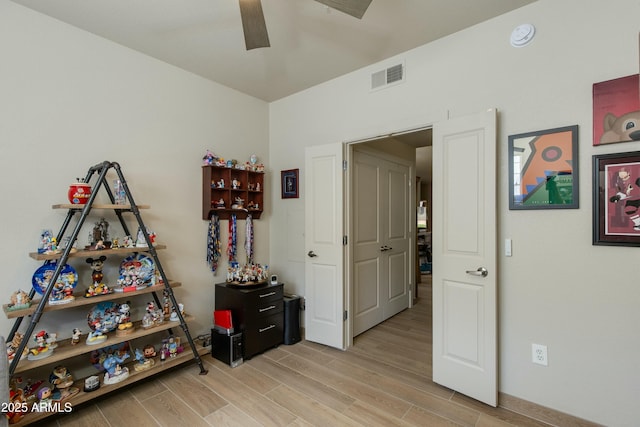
233	237
213	242
248	243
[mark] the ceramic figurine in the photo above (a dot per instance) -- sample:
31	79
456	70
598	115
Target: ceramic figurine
210	158
235	184
153	317
221	183
258	186
19	300
220	203
12	347
48	243
41	350
125	325
127	242
97	287
144	363
52	340
62	292
114	371
96	336
61	379
75	336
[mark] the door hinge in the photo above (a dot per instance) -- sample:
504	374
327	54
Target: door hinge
345	316
344	165
344	240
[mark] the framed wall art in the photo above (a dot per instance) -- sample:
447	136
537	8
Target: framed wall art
616	110
543	169
616	199
289	183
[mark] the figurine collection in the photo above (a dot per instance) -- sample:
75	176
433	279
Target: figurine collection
136	272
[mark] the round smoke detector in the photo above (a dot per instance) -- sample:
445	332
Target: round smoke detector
522	35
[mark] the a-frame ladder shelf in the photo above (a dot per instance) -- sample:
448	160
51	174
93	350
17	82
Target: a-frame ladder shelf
163	287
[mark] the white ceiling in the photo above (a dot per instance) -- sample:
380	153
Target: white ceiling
310	43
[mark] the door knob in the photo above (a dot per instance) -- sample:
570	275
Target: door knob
481	271
310	254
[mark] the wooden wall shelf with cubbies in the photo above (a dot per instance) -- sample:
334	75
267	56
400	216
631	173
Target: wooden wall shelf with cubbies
217	185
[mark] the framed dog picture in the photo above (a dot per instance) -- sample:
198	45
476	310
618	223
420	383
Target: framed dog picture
616	110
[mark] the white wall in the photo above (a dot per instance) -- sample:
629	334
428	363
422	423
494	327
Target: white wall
70	100
557	289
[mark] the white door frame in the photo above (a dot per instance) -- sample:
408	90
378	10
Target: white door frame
348	209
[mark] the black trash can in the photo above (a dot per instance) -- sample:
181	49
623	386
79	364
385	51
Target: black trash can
291	319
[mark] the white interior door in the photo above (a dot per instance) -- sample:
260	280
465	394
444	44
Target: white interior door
464	249
324	266
381	239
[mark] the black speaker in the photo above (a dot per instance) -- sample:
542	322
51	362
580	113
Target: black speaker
291	319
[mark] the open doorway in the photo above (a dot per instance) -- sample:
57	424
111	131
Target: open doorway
414	147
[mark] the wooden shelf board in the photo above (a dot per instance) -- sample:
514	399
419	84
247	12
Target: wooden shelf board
65	350
86	253
98	206
134	376
81	300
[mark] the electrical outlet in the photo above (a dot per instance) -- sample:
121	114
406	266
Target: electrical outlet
539	354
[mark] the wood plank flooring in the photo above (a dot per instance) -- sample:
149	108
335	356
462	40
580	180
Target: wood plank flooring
383	380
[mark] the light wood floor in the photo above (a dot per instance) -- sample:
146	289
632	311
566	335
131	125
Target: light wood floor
384	380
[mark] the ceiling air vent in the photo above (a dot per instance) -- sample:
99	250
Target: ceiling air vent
387	77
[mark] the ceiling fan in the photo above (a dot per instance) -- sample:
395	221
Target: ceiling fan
255	28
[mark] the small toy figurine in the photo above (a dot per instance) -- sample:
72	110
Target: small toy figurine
173	347
220	203
19	300
149	351
44	395
235	184
75	337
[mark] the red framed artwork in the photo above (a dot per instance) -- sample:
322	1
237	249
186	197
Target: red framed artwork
616	110
616	199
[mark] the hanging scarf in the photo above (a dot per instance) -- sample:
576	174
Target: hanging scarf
248	242
213	242
233	237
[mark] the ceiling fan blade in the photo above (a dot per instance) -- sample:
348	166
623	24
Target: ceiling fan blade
255	29
355	8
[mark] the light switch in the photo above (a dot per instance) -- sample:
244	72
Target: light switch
507	247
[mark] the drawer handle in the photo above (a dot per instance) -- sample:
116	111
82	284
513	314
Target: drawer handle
267	328
271	307
267	295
